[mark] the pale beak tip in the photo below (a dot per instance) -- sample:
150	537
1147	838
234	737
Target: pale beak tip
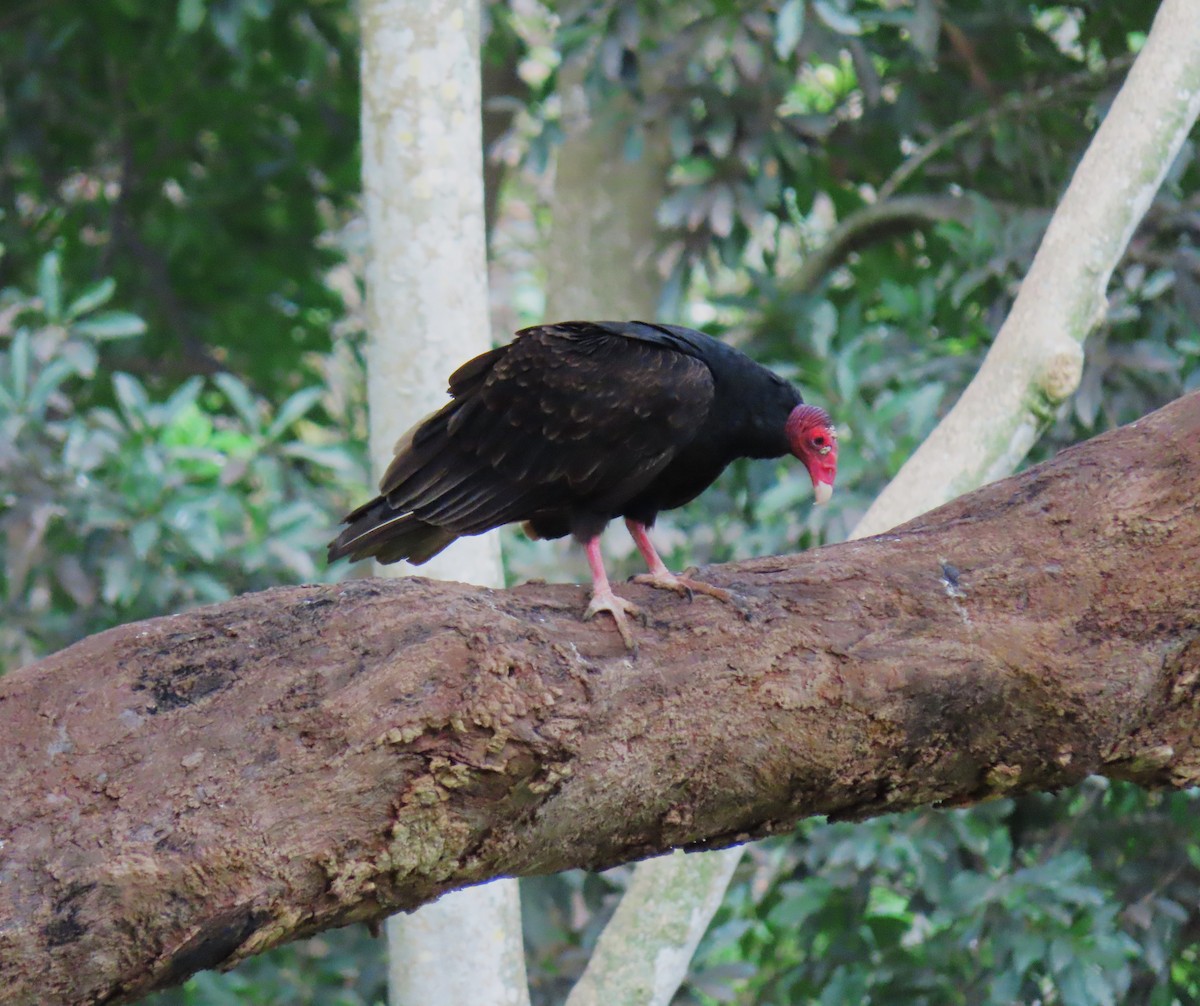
823	491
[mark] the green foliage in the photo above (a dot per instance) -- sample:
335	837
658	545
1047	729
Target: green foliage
195	152
343	967
115	513
1054	899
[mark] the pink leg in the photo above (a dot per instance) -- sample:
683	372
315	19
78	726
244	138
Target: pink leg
661	577
641	539
603	598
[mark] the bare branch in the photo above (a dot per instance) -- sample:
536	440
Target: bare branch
877	222
1012	104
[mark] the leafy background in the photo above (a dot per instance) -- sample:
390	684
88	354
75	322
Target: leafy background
853	190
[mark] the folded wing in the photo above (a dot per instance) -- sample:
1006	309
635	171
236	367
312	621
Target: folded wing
573	418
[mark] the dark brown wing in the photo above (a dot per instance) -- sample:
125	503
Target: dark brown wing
573	416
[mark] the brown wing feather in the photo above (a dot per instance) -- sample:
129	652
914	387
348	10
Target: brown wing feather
566	417
587	410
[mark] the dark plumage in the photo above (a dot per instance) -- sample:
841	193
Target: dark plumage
573	424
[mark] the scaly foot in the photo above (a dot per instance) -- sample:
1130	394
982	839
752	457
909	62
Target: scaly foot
685	586
618	607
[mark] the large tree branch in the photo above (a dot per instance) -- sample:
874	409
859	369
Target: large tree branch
183	792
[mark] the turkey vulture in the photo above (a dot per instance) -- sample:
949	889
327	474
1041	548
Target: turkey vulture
573	424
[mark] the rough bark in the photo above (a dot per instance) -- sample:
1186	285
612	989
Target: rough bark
187	791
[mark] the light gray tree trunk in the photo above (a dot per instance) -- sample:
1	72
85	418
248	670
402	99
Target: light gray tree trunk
427	312
599	258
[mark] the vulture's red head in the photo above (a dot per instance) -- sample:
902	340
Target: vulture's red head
813	440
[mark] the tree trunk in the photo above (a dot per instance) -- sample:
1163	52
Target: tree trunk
184	792
600	253
427	312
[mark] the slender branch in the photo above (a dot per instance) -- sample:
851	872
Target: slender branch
644	952
1009	105
185	792
875	222
964	49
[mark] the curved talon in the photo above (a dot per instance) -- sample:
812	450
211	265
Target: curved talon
684	585
618	607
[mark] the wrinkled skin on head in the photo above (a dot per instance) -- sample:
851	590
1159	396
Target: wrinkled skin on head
813	439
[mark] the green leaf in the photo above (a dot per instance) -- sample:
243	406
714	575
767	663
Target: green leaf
789	27
335	457
110	325
296	406
190	15
144	536
46	383
209	589
841	21
50	286
240	397
19	366
183	397
82	357
1073	988
91	298
802	901
131	395
119	584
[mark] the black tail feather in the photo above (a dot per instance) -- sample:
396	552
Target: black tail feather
378	529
